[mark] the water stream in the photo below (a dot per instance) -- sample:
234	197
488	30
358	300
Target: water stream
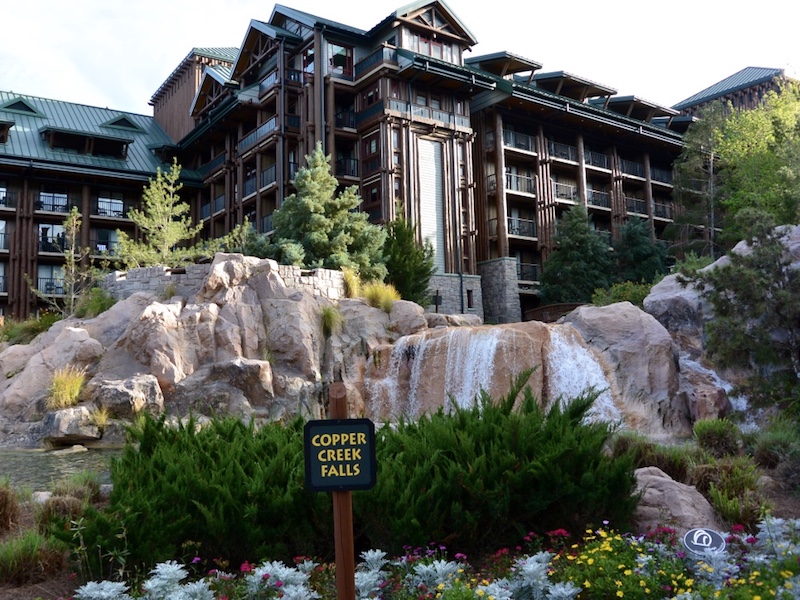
38	470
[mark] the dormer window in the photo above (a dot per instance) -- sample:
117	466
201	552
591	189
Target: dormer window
5	128
79	142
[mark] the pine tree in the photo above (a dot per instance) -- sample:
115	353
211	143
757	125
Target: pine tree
410	265
639	257
581	261
316	227
164	222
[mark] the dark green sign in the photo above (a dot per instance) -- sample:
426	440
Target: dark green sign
339	455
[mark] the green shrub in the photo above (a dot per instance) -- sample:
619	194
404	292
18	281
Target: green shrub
675	461
29	557
9	506
57	511
93	302
230	490
719	437
65	389
331	320
23	332
380	295
83	485
692	262
629	291
487	475
776	443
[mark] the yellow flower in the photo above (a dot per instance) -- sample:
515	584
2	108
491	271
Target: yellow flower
627	572
586	584
620	593
481	593
590	561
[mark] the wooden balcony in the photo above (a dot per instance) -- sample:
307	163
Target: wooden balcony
519	141
522	228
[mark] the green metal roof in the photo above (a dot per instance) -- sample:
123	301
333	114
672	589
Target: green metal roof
747	77
226	54
26	143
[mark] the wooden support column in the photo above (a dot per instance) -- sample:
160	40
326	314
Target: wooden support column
342	512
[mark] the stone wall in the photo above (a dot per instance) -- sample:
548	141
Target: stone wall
186	281
500	290
459	294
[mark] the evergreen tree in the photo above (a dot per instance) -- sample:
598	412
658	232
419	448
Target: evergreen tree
756	300
410	265
581	261
164	222
639	257
316	227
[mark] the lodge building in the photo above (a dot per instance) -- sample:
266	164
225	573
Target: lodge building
481	153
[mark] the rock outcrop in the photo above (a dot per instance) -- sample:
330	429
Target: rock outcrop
247	344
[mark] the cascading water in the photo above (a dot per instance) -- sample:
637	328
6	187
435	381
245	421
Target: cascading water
572	369
454	365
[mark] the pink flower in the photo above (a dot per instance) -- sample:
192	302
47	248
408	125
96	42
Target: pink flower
246	567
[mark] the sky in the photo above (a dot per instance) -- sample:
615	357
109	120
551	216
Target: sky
115	53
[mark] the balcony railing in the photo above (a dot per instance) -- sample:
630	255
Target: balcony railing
259	133
51	285
520	141
370	166
272	79
219	203
99	246
520	183
51	243
515	226
8	199
3	288
59	203
371	111
381	55
293	167
109	208
205	211
527	272
347	167
212	165
346	118
636	205
269	176
597	159
565	191
3	241
661	175
662	210
599	198
563	151
266	224
631	168
250	185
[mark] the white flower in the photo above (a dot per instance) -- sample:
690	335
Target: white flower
102	590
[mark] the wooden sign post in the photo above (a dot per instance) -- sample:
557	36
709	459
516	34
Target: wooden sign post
340	457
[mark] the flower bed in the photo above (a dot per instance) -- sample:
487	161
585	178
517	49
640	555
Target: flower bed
604	564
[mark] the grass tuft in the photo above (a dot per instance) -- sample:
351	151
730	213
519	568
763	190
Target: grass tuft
30	557
331	320
352	283
93	302
66	387
380	295
9	506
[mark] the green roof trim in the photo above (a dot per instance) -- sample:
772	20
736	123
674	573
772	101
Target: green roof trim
20	106
121	122
741	80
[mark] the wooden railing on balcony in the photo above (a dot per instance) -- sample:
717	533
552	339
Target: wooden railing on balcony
563	151
211	165
259	133
520	141
598	198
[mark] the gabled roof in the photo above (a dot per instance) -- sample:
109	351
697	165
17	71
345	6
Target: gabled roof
572	86
409	9
311	21
747	77
634	107
254	30
503	63
211	74
224	54
27	143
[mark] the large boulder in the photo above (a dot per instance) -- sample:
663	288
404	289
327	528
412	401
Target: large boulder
70	426
641	352
665	501
124	399
681	310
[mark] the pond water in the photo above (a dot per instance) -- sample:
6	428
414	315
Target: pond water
38	470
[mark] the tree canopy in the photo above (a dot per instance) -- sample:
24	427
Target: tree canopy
638	256
316	227
410	264
581	261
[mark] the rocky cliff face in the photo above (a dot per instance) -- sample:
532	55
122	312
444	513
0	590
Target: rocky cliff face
246	344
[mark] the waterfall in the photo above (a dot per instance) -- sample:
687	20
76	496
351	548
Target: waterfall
470	364
572	369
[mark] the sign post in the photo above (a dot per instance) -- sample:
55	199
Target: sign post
340	457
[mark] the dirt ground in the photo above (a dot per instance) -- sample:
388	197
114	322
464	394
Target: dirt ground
61	585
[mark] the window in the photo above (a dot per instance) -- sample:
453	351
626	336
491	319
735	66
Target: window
51	238
340	60
372	201
50	279
470	299
308	60
103	240
3	236
421	98
370	97
53	201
